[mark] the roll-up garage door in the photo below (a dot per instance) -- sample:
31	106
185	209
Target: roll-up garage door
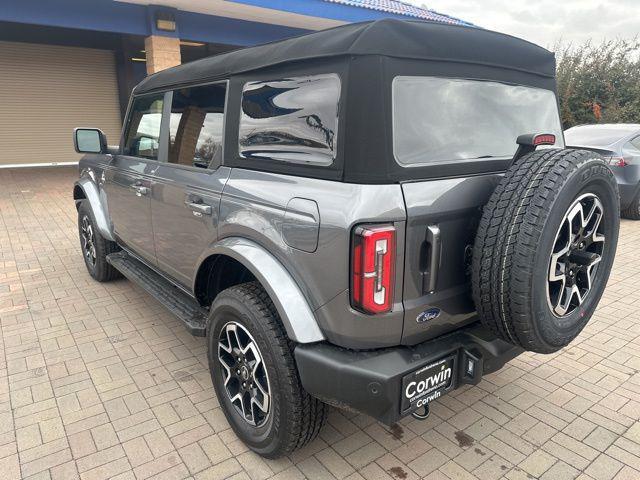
46	91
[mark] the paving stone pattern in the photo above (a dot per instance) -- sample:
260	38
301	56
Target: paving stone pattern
98	381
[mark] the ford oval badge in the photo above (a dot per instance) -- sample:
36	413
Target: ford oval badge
428	315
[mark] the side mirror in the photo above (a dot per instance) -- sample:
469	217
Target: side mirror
89	140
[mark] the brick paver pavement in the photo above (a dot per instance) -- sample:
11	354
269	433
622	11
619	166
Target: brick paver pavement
99	381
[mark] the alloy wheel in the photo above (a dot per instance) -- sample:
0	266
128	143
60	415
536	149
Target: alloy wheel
577	251
244	374
88	240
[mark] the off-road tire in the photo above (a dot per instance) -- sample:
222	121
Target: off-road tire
632	212
295	418
101	270
514	242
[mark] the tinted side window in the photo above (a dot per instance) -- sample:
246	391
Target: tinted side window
196	126
143	129
292	120
636	142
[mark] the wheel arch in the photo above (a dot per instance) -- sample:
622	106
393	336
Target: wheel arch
236	253
85	189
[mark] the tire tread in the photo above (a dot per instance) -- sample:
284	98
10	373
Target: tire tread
306	414
508	235
104	271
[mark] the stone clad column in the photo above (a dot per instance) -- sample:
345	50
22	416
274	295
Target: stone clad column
162	52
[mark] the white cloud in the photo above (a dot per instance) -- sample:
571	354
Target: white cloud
546	21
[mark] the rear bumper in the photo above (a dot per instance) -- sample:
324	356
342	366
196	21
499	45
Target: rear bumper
370	382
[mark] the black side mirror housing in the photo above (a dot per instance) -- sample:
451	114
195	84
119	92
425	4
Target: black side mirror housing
89	140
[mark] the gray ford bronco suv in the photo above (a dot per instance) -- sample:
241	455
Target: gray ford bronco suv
368	217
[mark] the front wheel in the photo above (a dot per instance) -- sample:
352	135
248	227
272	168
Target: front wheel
254	374
94	246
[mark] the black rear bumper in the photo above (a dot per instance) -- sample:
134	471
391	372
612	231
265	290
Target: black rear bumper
371	381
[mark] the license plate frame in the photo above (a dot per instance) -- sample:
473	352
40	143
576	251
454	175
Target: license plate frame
428	383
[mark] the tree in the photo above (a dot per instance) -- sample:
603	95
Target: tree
599	83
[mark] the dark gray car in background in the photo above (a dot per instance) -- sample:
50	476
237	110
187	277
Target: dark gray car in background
358	217
619	144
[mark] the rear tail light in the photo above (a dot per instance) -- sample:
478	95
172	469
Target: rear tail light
617	161
373	259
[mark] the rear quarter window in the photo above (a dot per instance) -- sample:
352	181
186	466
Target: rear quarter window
290	120
442	120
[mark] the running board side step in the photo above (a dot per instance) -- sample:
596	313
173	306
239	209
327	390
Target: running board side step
171	297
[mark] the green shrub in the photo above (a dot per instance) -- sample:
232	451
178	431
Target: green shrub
599	83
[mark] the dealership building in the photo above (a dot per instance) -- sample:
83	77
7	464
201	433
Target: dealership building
68	63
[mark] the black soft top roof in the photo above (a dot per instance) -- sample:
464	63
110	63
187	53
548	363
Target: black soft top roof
410	39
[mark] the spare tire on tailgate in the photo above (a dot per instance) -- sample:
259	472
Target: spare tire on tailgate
545	247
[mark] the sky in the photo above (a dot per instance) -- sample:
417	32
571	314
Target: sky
547	21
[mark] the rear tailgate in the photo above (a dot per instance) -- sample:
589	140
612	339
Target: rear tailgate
442	218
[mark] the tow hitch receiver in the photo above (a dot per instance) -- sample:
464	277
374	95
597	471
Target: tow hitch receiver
424	414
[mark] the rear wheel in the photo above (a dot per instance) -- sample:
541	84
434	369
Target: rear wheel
255	376
632	212
545	247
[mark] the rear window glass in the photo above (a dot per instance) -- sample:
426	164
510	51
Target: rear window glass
594	136
438	120
293	120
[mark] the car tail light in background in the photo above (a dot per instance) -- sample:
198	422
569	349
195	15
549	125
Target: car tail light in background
373	258
617	161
